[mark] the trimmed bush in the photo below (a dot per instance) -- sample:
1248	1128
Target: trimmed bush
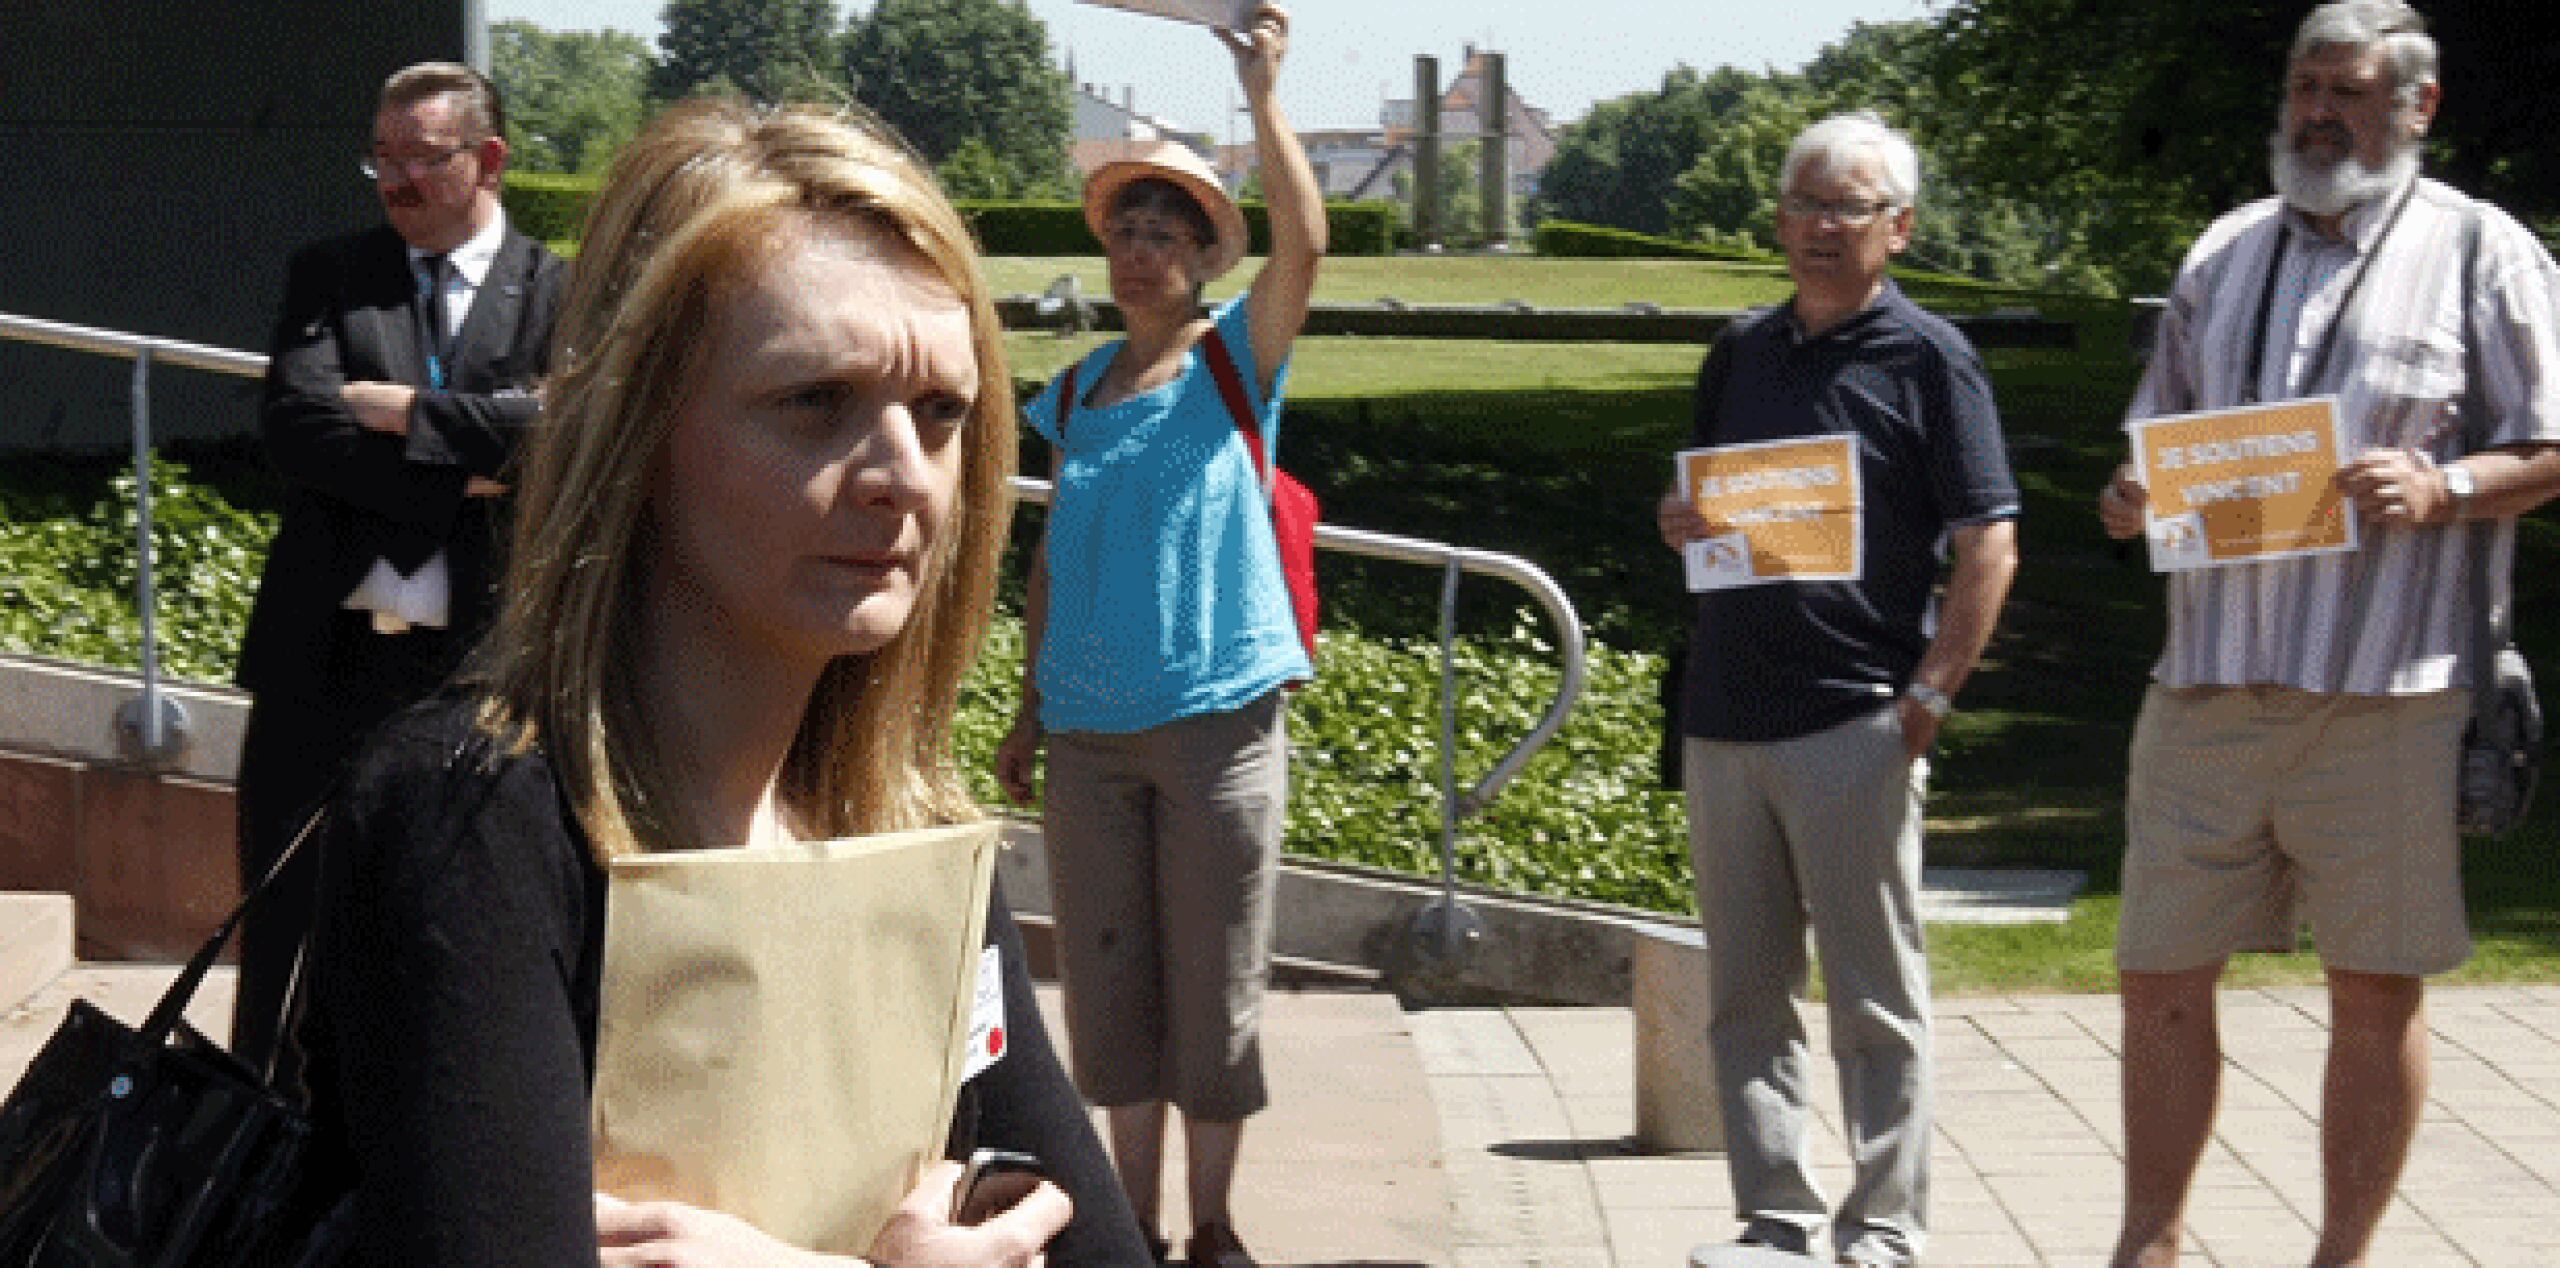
1029	227
549	206
1570	239
552	207
1057	228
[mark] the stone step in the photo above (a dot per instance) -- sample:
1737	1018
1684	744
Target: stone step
36	933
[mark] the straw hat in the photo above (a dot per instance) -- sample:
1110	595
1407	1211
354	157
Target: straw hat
1171	161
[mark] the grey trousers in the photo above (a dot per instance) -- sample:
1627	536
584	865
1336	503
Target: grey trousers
1825	826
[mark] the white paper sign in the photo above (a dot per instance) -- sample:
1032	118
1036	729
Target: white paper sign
1231	14
988	1039
1720	562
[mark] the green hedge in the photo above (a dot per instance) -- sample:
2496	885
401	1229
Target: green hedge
1583	820
1029	227
549	206
1566	238
553	208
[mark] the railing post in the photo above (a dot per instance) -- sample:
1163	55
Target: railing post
154	725
1445	932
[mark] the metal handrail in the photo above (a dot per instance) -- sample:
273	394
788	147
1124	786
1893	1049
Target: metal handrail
154	722
158	724
1444	934
1511	568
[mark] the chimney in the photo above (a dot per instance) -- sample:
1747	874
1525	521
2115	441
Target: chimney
1129	98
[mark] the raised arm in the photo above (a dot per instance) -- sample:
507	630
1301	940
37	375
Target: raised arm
1298	232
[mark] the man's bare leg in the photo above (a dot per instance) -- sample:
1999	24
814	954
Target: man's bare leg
2371	1099
2172	1085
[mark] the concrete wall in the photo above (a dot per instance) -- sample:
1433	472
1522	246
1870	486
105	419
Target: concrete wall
162	159
144	849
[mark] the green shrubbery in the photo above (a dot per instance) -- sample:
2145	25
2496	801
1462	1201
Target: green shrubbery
67	569
1581	821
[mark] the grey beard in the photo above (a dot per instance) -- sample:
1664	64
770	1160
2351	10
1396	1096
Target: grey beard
2332	190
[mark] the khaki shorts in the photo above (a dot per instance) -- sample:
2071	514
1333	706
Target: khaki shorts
2249	807
1164	847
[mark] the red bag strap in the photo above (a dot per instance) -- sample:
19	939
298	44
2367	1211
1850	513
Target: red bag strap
1066	398
1222	367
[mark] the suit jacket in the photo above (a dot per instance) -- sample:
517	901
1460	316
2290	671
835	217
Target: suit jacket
355	495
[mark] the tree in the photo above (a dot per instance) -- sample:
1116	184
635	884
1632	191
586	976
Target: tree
1461	193
767	50
949	73
2143	121
572	97
1617	166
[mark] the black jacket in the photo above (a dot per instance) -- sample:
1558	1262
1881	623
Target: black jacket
451	1025
355	495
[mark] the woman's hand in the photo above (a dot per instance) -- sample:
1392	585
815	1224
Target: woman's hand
921	1234
1259	49
1018	758
674	1235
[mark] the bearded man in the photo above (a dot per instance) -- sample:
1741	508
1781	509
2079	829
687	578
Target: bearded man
2297	750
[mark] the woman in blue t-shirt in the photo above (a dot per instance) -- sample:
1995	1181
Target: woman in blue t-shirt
1160	640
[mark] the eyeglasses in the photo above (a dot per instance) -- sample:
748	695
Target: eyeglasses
378	166
1850	213
1126	238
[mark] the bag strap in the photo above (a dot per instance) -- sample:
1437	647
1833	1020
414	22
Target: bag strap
1067	397
1222	367
2489	627
163	1021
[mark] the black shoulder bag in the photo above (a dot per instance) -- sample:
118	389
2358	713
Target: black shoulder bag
125	1149
2502	746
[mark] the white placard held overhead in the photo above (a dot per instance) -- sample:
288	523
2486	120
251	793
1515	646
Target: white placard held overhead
1231	14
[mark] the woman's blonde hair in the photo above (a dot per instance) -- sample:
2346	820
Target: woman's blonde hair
691	207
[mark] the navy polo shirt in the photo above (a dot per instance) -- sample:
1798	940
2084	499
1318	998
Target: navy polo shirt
1784	659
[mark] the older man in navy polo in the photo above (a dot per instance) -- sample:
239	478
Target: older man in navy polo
1812	703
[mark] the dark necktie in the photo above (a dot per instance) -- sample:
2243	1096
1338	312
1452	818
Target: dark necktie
408	549
437	337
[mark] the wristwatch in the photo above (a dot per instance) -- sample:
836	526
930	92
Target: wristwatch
2459	484
1929	698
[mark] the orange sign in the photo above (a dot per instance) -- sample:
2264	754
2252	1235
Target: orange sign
2241	485
1777	510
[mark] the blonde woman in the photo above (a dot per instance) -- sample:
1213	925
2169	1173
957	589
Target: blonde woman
754	555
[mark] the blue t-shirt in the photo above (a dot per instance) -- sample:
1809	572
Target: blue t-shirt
1166	598
1772	662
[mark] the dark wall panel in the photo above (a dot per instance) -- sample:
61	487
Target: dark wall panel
159	159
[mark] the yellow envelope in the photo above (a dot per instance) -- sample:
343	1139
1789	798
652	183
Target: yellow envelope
782	1030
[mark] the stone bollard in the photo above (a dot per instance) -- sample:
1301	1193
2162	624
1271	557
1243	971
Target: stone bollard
1676	1106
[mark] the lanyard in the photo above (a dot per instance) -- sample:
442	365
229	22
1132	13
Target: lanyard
2328	339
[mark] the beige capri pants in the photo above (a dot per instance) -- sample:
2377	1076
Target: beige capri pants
1164	845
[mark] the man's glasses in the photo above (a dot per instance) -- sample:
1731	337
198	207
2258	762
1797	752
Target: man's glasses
378	166
1849	213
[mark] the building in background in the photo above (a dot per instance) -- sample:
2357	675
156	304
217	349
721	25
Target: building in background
1107	130
1350	163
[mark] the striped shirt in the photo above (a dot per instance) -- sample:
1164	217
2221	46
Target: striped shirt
2393	616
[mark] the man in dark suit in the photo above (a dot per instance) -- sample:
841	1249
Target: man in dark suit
402	378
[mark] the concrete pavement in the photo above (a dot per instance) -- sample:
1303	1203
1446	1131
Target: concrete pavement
1501	1136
